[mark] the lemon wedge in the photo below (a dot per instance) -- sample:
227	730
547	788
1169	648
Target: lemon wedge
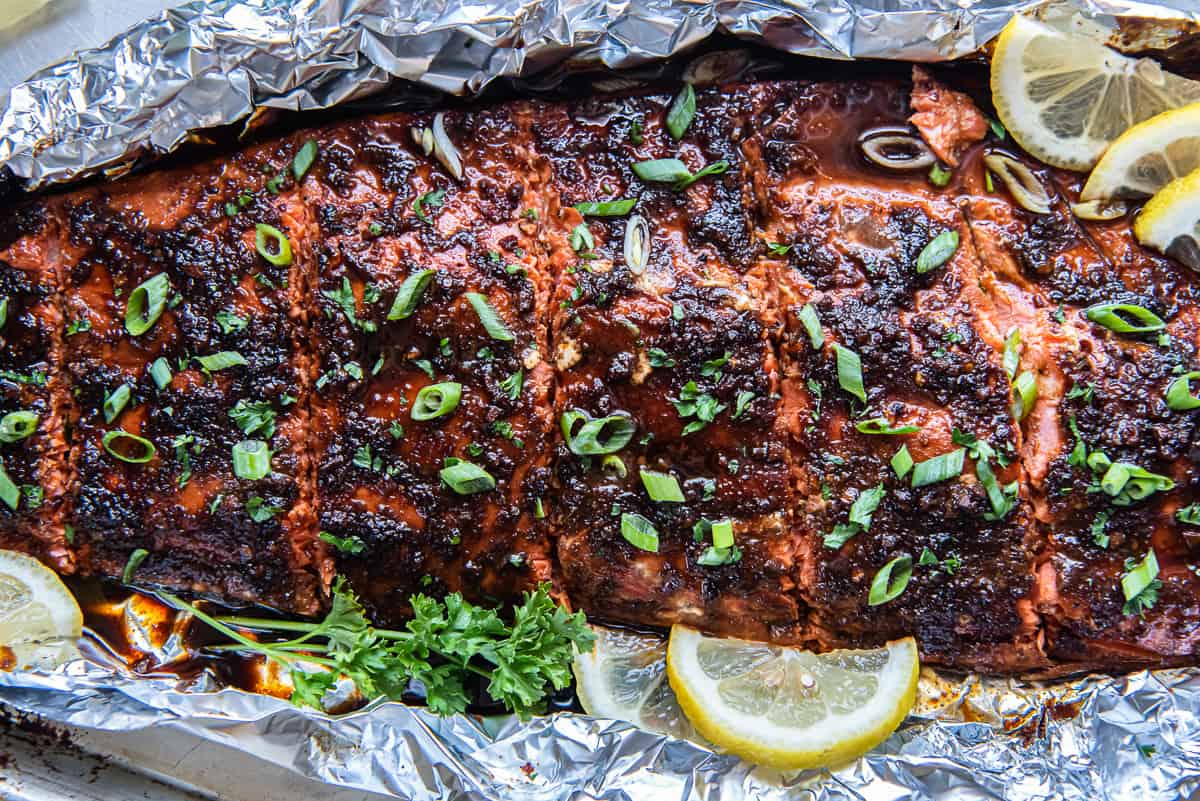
1065	97
1147	157
789	708
624	677
40	621
1170	221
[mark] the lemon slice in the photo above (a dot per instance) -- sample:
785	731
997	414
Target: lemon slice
624	677
789	708
1147	157
1170	221
40	621
1065	96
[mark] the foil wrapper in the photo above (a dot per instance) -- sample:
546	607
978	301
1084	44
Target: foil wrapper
209	64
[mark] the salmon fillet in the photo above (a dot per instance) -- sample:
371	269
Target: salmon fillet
690	365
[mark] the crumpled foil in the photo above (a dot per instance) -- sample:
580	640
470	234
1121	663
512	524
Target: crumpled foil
214	63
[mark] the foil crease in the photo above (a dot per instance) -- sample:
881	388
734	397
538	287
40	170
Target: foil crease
210	64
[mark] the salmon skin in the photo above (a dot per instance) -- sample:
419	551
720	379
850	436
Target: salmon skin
710	367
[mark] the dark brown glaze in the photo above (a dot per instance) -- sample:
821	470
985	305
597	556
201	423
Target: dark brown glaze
697	300
186	507
29	334
379	468
930	352
1113	386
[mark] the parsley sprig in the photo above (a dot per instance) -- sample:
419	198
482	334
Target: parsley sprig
523	660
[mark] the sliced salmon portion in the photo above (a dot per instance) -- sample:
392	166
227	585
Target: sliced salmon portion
949	121
929	354
174	511
1100	392
677	344
32	449
384	211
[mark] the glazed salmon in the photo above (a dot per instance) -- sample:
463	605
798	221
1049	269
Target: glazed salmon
689	357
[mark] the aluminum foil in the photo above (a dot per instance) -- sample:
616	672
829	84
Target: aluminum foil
215	63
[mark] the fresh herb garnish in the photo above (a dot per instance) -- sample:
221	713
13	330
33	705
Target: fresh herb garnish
429	200
230	323
682	112
694	403
1140	584
348	303
254	417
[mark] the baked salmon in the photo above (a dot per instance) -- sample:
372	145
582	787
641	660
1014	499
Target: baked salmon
787	361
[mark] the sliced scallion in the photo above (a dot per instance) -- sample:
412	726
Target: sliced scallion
812	324
613	464
141	449
666	171
273	245
865	505
891	580
409	295
1179	392
1125	318
10	493
490	318
133	563
662	487
681	113
939	468
606	208
160	372
849	367
598	436
881	425
466	478
902	462
16	426
3	311
1127	483
251	459
639	532
436	400
221	360
1012	353
115	402
938	251
1025	392
146	304
1140	584
304	159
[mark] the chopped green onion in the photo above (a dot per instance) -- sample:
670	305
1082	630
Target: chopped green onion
160	371
1189	514
939	176
10	493
902	462
639	532
606	208
133	563
716	168
865	505
491	320
221	360
890	581
881	425
662	487
304	159
939	468
681	113
1012	353
722	533
125	439
665	171
466	478
281	254
513	384
351	544
16	426
1127	483
938	251
251	459
715	557
3	311
596	436
741	403
1179	393
613	464
115	401
436	400
1002	499
146	304
410	294
1125	318
812	324
1140	584
849	367
259	510
430	200
230	322
1025	392
582	240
